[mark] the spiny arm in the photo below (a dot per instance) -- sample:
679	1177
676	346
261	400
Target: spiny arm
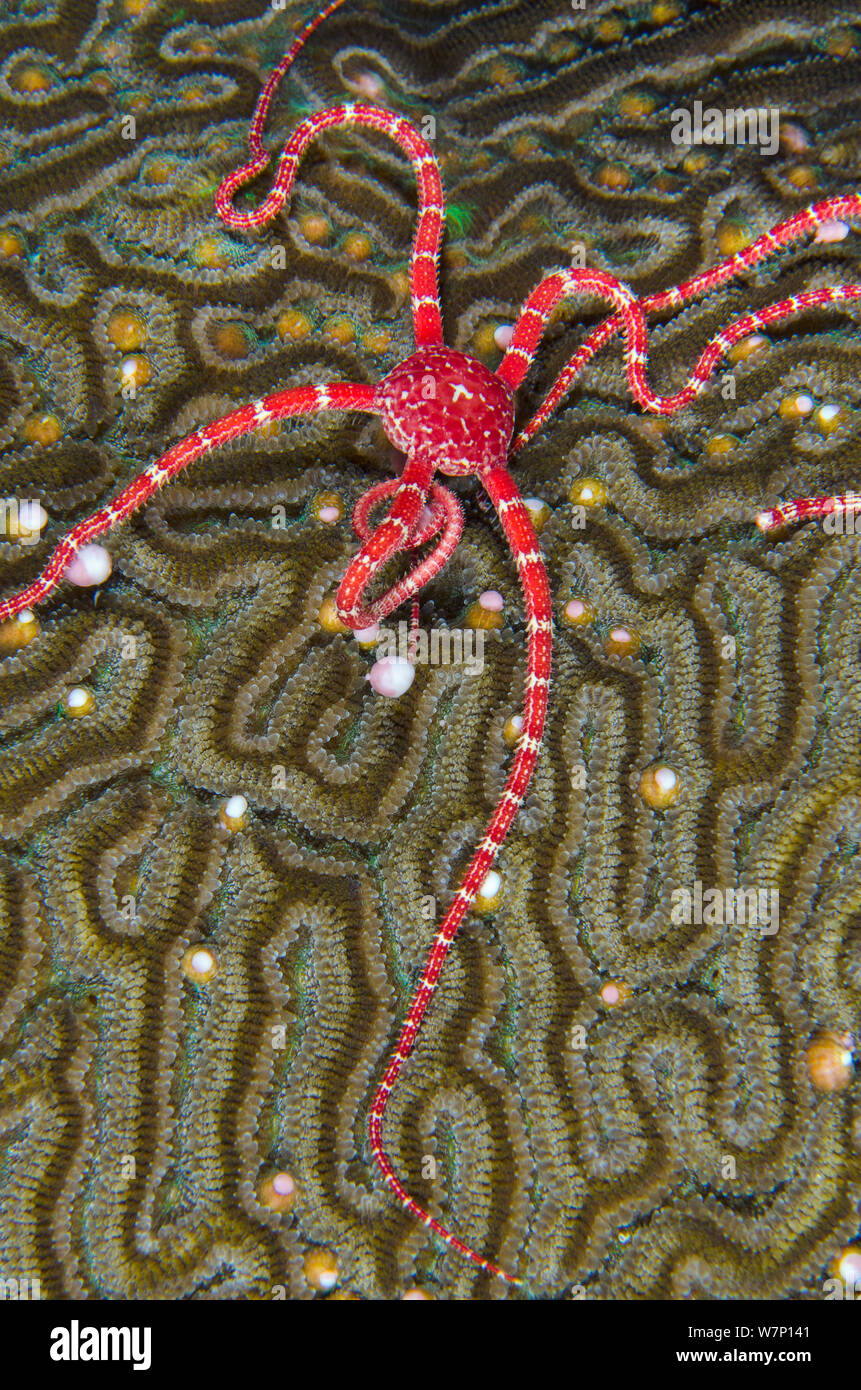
301	400
524	545
784	234
530	328
416	516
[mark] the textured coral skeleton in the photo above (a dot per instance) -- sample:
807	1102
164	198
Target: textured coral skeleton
449	413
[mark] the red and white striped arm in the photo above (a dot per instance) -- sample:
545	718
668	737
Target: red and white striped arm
427	317
807	509
586	351
406	526
441	514
801	224
543	300
261	110
793	229
301	400
721	343
525	549
530	326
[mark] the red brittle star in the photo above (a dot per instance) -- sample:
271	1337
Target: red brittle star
449	412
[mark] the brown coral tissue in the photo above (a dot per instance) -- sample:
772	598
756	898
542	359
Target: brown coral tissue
223	856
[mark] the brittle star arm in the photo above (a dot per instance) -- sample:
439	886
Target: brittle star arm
427	318
421	510
783	234
300	400
261	110
424	288
424	291
807	509
532	323
523	541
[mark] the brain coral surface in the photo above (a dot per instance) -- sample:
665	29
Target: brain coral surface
619	1090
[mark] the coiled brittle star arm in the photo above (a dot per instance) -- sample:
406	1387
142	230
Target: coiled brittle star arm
424	288
410	522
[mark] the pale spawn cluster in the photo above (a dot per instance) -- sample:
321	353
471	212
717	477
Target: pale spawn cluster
448	412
